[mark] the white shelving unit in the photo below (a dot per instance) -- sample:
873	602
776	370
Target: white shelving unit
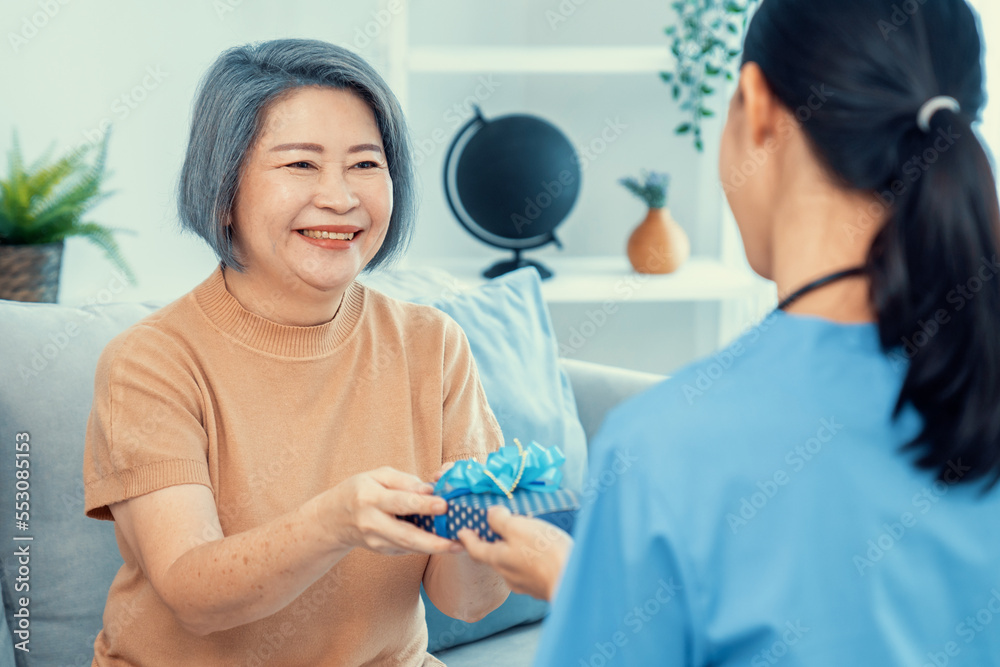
541	59
610	280
599	279
732	296
403	60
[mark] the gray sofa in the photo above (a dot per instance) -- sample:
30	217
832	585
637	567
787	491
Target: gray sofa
47	365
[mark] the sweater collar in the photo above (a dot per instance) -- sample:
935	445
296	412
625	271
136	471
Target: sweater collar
282	340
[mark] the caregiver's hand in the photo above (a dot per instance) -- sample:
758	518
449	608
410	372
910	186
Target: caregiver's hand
361	512
531	556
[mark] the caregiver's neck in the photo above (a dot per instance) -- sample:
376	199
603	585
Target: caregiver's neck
817	230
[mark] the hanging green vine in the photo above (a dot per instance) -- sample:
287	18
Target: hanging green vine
706	44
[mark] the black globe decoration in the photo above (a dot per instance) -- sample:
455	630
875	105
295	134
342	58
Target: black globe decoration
511	181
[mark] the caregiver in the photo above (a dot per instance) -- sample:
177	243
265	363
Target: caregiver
828	499
254	440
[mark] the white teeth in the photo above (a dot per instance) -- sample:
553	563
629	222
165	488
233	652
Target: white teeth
313	234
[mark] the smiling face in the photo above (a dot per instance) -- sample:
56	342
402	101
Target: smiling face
315	195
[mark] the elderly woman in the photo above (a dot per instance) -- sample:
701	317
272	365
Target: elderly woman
254	440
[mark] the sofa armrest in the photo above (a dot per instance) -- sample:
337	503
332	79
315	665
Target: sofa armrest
598	388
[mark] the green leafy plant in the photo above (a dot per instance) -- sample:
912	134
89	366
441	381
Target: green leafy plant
706	45
46	201
651	187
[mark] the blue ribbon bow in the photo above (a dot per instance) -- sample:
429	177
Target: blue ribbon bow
533	468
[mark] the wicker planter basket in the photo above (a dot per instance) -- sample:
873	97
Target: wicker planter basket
30	272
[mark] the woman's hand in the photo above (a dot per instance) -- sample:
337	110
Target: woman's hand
531	556
361	512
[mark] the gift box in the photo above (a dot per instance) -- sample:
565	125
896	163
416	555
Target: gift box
525	480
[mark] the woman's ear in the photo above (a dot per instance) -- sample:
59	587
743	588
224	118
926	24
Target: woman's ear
761	107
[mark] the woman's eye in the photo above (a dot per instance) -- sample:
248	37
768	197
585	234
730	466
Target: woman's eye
367	164
300	165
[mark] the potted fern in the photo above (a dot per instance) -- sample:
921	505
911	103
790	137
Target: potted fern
40	206
658	244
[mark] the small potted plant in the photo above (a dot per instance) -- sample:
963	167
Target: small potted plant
658	244
40	206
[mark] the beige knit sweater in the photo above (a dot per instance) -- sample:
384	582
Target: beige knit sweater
268	416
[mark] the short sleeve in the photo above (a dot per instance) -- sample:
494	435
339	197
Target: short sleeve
145	430
624	597
470	430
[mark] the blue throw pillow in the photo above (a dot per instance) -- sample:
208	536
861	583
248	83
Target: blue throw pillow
510	333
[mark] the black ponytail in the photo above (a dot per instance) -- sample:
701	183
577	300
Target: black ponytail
934	265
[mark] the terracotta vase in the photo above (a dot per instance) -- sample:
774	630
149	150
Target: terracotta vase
30	272
658	244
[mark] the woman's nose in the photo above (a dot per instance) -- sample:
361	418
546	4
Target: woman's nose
335	193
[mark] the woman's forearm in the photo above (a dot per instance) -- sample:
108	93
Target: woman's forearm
250	575
462	588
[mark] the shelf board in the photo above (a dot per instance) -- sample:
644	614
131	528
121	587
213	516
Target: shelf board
600	279
541	59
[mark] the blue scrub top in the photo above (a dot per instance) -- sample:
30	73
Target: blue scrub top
756	509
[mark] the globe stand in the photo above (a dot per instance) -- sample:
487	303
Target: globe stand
518	262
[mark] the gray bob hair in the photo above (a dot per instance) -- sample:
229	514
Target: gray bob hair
231	105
